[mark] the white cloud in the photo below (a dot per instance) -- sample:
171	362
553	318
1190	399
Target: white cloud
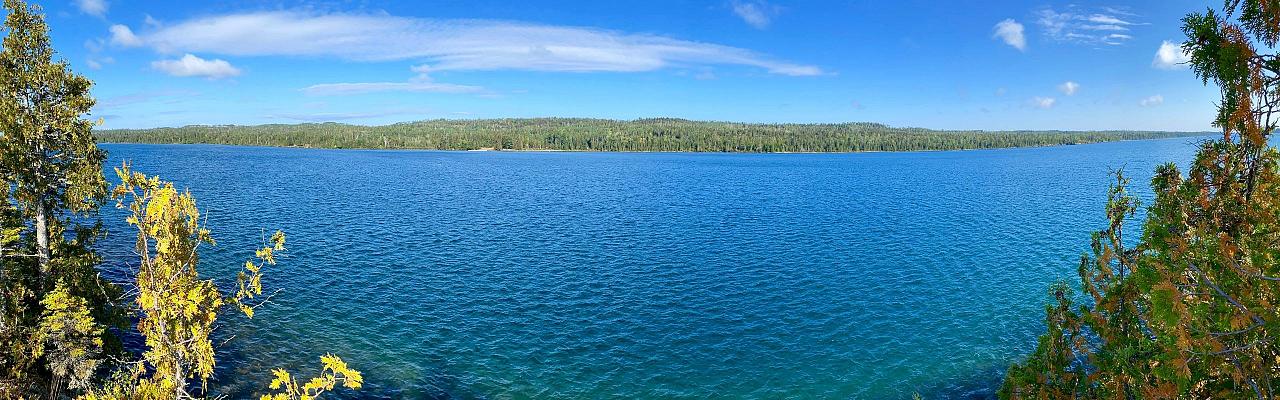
1170	56
190	65
1074	26
1107	19
95	63
421	83
755	13
123	36
1119	11
172	96
1152	101
97	8
1011	32
450	44
1069	88
1043	102
1116	39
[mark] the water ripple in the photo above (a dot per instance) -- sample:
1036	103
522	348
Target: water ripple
598	275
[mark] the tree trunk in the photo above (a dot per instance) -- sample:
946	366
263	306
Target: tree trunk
42	240
180	382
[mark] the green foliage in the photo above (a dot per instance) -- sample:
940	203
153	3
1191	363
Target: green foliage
49	153
50	169
1193	309
132	383
54	307
177	309
335	370
250	280
72	339
576	134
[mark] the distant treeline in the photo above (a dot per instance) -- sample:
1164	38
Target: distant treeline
576	134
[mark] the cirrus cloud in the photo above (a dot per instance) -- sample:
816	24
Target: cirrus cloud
473	45
1076	26
337	89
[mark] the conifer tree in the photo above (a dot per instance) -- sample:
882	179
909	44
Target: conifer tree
1192	310
49	154
53	305
54	308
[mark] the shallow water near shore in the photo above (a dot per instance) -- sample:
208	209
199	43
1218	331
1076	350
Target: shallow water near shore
645	275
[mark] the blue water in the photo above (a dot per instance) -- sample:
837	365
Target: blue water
596	275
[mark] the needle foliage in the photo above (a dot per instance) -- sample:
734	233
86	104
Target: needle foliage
1192	308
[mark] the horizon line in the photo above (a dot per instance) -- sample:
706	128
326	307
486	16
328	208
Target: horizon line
711	121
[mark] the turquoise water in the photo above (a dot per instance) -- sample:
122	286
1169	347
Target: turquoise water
653	275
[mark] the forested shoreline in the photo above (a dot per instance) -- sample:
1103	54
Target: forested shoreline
578	134
1189	309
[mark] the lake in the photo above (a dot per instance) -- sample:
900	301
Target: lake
645	275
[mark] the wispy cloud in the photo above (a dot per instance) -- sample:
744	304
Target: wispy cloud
1069	88
1011	32
422	83
1043	102
190	65
1170	56
338	89
1074	25
95	63
145	97
333	117
1152	101
97	8
450	44
756	13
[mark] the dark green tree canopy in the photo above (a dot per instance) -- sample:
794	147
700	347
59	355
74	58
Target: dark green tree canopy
48	149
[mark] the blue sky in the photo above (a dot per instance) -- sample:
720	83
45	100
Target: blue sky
949	65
